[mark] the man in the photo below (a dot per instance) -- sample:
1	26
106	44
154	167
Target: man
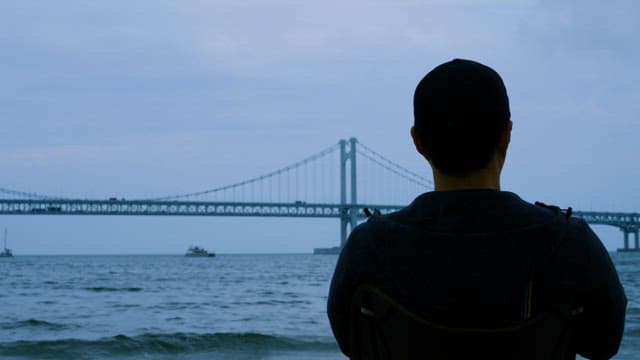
469	255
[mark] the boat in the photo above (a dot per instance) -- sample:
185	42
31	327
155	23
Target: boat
327	251
196	251
6	252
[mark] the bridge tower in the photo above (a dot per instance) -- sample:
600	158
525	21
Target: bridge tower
349	211
628	230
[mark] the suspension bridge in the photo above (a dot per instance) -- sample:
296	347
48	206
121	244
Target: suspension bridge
338	182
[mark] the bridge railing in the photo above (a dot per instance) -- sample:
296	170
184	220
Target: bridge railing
195	208
181	208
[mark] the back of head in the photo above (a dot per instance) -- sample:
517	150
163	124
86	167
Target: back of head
460	110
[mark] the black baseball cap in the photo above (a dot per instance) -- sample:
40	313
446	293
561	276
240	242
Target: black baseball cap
460	93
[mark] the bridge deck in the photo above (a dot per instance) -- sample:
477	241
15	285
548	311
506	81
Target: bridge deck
179	208
201	208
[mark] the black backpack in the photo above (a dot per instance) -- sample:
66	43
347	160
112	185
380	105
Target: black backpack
380	328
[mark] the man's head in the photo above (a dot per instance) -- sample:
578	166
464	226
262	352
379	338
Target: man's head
461	112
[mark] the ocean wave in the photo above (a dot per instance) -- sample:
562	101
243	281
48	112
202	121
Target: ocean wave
632	331
166	344
33	323
272	302
112	289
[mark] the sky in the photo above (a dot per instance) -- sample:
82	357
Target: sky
149	98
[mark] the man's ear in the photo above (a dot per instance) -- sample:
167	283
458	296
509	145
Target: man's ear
417	143
505	139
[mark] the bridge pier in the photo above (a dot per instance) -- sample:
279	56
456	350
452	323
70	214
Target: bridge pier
348	211
343	192
344	221
354	191
349	215
636	239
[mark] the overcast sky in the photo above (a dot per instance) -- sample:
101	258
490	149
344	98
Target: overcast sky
148	98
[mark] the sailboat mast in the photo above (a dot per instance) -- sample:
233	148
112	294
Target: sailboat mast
5	238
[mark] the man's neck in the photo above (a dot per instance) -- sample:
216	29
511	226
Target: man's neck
487	178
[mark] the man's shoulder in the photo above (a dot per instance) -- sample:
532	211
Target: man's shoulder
474	211
512	215
377	226
577	232
579	243
580	235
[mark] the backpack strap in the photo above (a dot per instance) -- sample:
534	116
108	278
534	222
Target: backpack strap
568	311
538	261
368	213
556	209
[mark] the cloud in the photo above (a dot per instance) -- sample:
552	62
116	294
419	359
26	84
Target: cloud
591	28
241	37
80	72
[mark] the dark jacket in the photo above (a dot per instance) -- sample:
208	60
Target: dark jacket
484	259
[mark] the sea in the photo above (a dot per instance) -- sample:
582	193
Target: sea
174	307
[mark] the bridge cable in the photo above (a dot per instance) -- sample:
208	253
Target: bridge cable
400	171
394	167
233	186
30	195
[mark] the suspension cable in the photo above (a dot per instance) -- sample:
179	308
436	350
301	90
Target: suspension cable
252	180
30	195
365	151
399	169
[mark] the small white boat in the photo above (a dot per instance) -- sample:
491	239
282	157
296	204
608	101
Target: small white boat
6	252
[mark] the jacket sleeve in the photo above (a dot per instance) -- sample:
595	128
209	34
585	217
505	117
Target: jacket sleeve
598	331
346	278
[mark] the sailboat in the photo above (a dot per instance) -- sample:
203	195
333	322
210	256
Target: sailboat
6	252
